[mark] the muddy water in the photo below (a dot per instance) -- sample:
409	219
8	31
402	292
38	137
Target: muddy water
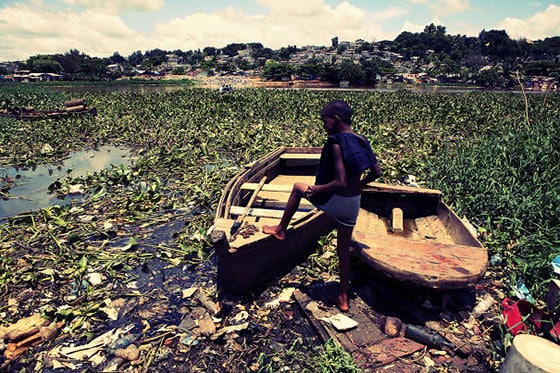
28	189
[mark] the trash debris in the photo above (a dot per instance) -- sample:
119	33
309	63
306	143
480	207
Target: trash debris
229	329
206	325
129	353
524	317
484	304
392	326
340	322
284	297
495	260
211	306
410	180
522	292
187	293
556	264
92	351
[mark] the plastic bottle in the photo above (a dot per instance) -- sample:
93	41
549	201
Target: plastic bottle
484	305
420	335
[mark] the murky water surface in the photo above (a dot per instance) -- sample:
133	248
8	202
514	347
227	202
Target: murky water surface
29	188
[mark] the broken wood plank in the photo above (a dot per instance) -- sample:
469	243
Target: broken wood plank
397	220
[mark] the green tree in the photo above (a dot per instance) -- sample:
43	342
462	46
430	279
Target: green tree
274	70
350	71
210	51
311	69
227	67
179	70
242	64
117	58
44	64
497	45
233	49
487	78
136	58
155	57
71	61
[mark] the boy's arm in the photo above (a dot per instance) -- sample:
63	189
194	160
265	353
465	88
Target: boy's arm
371	174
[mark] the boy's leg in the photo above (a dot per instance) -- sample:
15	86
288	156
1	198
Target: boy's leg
344	235
279	231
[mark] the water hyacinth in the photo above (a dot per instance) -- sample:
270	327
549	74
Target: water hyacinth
142	227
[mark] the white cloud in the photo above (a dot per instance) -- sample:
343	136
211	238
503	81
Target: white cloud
116	6
444	6
538	26
453	6
293	7
389	13
283	23
29	30
97	27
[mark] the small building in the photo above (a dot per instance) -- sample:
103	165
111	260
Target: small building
26	76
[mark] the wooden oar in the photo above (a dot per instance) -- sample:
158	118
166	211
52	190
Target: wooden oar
241	217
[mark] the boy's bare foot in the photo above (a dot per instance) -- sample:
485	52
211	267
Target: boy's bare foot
342	303
275	231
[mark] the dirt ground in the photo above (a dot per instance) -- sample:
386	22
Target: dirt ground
180	325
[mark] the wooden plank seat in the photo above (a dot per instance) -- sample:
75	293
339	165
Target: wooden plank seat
266	213
300	156
268	187
274	195
300	159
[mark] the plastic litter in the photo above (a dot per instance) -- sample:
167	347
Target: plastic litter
340	322
556	264
522	292
484	305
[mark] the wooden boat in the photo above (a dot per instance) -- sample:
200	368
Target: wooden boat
409	234
257	197
71	109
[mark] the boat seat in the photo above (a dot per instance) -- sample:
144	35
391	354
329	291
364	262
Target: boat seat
268	187
300	159
300	156
266	213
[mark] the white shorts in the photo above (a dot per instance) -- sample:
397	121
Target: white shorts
344	209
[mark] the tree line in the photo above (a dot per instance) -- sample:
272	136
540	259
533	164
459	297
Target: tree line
490	59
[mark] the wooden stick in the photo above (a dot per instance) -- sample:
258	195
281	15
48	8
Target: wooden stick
240	218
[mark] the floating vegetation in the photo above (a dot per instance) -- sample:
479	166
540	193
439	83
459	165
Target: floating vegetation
126	254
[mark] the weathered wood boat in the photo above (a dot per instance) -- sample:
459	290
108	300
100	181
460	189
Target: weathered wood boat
256	197
71	109
409	234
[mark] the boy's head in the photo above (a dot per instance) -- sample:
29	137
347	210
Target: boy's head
338	109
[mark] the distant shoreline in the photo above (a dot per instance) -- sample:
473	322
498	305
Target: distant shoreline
240	82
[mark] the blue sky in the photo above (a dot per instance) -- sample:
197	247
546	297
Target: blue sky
102	27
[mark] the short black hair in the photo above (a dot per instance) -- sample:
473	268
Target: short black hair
338	108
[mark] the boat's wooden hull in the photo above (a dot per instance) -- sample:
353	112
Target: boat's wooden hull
249	257
435	248
72	109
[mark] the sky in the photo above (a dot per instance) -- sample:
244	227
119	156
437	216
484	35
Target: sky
99	28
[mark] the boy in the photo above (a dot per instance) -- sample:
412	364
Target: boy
337	188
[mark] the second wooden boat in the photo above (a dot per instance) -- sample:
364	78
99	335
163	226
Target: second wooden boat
409	234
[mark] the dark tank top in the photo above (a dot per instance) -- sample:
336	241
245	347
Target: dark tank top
356	154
